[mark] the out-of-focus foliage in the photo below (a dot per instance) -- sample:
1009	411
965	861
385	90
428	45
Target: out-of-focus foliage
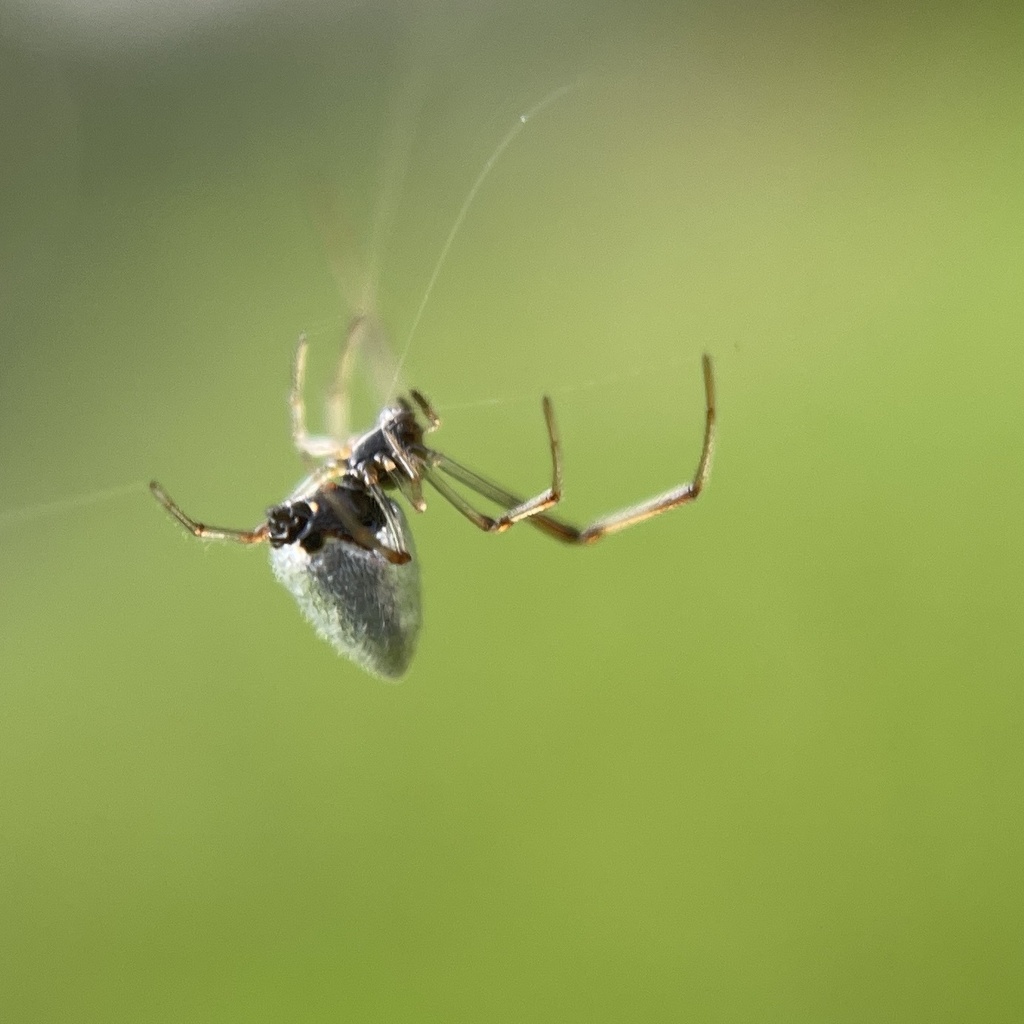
758	760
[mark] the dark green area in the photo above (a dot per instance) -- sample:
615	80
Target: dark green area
760	760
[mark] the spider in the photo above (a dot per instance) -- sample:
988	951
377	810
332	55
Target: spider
342	545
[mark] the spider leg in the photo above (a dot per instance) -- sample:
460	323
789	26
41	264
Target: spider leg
412	490
366	538
614	521
338	397
681	495
433	420
310	446
399	453
197	529
492	492
517	509
365	334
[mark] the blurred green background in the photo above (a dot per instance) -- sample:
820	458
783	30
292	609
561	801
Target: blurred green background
760	760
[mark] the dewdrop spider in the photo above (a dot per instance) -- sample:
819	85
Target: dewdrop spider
343	546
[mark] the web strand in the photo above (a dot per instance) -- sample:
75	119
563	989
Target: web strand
45	508
464	209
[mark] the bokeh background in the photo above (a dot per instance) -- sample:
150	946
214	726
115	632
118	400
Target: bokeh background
760	760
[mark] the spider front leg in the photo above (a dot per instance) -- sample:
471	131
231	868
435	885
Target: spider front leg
258	536
615	521
517	509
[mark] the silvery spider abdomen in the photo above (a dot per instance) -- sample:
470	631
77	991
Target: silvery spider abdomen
363	604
